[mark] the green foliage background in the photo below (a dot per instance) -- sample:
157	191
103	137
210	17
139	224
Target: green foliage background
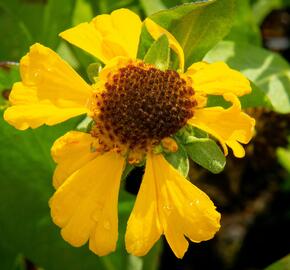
26	167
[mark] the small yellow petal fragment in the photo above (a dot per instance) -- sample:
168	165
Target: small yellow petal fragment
156	31
135	157
169	144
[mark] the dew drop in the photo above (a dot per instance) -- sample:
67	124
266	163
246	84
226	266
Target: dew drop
107	224
196	202
167	209
200	231
97	213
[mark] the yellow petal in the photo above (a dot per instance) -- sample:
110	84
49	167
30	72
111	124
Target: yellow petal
230	126
143	227
85	205
23	116
218	79
167	203
156	31
71	152
108	36
50	92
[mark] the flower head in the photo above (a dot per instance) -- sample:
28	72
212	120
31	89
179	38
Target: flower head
135	106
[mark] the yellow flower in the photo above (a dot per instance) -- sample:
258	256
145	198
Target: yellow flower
134	107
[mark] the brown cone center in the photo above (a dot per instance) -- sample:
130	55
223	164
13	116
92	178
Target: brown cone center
142	105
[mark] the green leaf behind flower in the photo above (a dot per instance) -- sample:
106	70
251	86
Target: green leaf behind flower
207	154
267	70
245	28
198	26
159	53
152	6
284	157
179	159
201	149
9	73
283	264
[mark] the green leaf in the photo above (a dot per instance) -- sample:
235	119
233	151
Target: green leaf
179	159
9	73
284	157
283	264
20	263
55	19
207	154
134	263
145	43
257	98
93	71
152	6
245	28
267	70
198	26
159	53
262	8
23	23
83	12
189	134
7	258
127	170
85	125
152	259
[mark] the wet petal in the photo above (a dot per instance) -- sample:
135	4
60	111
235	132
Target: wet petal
171	205
218	79
50	92
36	114
108	36
71	152
156	31
143	228
230	126
85	205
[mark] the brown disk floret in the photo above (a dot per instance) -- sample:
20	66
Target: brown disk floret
142	105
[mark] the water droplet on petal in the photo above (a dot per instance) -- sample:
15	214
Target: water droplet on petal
107	224
97	213
167	209
192	203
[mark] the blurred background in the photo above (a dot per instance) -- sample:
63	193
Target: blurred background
251	193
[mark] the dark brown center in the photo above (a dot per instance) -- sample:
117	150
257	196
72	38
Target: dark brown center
143	104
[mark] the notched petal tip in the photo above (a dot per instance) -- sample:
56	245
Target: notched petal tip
86	208
50	92
169	204
230	126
